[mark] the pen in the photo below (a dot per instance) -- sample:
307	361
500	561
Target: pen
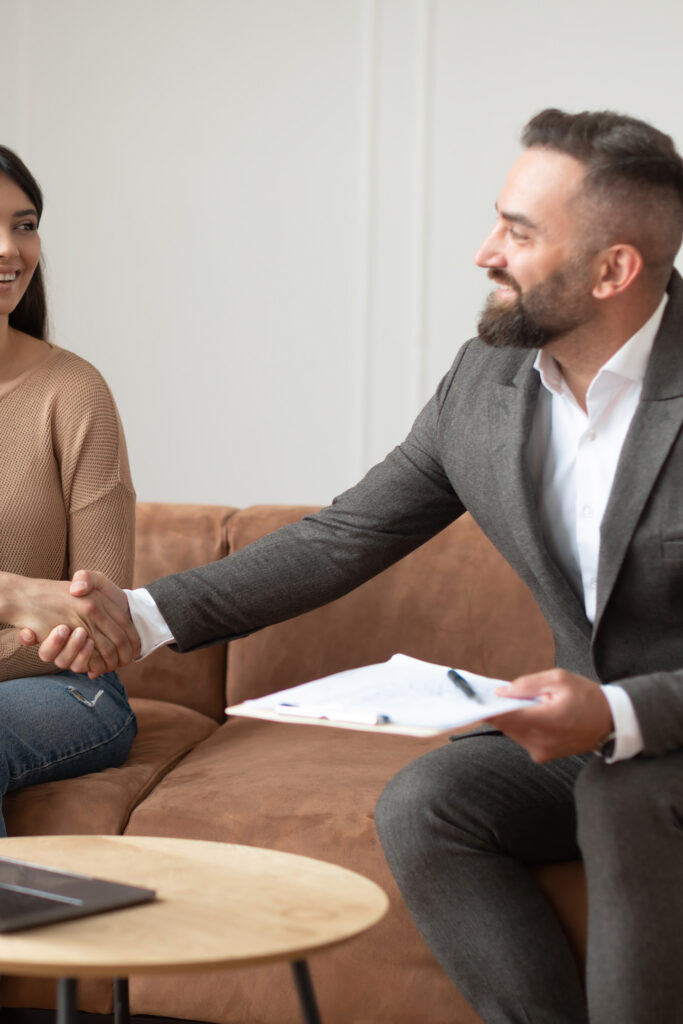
463	685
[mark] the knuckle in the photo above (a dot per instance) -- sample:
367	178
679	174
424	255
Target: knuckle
106	649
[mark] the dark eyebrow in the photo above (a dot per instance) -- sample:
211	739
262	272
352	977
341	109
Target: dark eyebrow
26	213
517	218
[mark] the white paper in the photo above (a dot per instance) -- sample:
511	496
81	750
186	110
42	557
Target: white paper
403	691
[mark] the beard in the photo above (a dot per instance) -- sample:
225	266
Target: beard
546	312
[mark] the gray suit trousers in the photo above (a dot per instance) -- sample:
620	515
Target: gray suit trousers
461	825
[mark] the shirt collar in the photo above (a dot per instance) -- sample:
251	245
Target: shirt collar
630	361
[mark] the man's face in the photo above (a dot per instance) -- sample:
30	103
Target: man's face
537	256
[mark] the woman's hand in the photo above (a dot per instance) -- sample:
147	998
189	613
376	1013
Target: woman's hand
84	625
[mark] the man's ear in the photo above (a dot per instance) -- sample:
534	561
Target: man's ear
616	270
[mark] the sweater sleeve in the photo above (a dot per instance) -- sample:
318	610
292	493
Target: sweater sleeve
99	498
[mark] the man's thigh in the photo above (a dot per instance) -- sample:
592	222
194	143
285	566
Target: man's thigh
487	792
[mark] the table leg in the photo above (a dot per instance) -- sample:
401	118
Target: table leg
66	1001
121	1001
304	987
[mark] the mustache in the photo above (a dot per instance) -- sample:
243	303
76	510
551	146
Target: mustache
500	277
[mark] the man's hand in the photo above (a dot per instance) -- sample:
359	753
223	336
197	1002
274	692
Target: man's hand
571	717
95	632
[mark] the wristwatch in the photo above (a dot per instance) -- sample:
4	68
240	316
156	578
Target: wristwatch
606	747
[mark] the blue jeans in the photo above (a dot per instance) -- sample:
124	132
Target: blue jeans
59	726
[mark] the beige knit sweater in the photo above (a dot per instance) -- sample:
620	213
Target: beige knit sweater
66	500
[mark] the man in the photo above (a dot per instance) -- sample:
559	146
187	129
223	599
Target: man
560	429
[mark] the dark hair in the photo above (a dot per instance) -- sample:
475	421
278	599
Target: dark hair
633	171
30	314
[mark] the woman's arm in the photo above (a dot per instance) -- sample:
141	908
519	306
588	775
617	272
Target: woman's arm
91	517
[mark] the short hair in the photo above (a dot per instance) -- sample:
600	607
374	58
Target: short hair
633	182
30	314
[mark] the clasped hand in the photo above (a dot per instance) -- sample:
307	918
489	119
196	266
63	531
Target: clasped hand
95	632
571	716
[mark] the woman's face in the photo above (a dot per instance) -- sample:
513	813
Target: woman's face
19	243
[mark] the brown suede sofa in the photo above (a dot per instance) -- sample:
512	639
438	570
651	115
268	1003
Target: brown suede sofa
298	788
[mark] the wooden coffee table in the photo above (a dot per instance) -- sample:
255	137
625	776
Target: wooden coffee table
218	905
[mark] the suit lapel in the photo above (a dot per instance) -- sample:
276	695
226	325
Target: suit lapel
655	426
511	413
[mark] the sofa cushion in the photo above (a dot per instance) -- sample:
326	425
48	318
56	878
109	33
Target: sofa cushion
453	601
101	803
171	538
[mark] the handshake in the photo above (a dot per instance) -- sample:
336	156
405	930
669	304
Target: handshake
84	625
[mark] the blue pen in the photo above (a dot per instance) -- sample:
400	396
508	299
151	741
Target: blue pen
463	685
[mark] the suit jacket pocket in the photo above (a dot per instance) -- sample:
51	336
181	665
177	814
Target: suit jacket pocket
672	547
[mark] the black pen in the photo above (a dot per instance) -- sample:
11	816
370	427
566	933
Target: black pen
463	685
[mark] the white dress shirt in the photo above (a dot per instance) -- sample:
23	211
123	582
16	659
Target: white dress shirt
573	457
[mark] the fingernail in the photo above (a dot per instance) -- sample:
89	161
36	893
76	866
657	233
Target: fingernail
63	631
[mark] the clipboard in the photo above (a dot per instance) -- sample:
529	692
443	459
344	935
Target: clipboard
402	696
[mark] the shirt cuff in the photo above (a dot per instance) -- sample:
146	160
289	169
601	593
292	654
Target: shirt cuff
628	739
148	620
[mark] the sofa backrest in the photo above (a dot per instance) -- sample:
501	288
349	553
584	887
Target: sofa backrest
170	538
453	601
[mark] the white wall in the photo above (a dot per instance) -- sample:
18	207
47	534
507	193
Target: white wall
261	214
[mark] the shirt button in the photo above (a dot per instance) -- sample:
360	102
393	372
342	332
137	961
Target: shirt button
587	511
590	435
594	584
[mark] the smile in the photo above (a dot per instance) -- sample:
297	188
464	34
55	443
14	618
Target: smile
11	276
506	292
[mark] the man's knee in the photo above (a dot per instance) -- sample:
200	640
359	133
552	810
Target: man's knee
402	800
419	800
445	790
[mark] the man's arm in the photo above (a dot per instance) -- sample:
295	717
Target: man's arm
396	507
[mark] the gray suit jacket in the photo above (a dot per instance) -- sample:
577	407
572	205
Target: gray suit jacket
466	450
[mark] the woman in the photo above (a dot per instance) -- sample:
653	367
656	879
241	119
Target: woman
67	501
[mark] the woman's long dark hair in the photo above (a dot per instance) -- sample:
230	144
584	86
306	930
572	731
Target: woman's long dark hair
30	315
